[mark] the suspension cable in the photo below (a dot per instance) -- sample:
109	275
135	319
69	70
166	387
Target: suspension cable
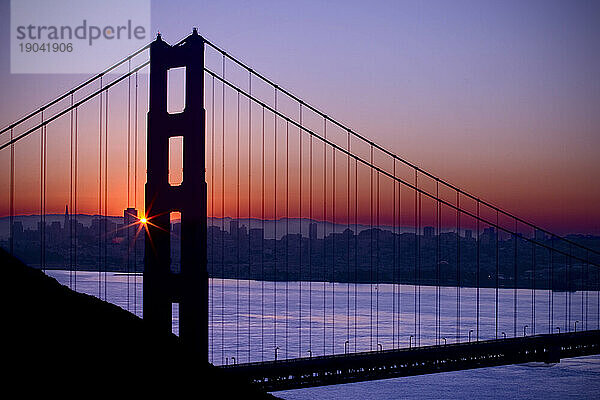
381	148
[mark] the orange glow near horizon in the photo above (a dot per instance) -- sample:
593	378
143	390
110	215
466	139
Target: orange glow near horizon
519	179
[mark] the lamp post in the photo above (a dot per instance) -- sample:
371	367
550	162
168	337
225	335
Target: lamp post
309	351
410	341
525	330
576	325
558	328
470	331
276	348
445	342
346	346
503	335
232	360
379	347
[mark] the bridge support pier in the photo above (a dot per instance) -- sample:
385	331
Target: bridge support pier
189	286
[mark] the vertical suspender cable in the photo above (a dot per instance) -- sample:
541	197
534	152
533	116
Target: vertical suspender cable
394	277
457	267
249	198
135	164
310	240
567	316
41	224
569	287
582	287
237	238
106	198
333	237
587	285
324	235
223	217
416	278
378	204
212	225
551	291
355	254
12	193
497	269
44	177
127	227
135	205
100	116
262	218
45	185
287	232
275	224
70	194
533	261
75	241
437	263
371	252
300	250
515	282
348	242
398	237
478	272
420	261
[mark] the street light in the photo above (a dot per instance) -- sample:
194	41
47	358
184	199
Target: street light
346	346
503	335
276	348
525	330
410	341
558	327
445	342
576	325
379	347
309	353
471	331
232	360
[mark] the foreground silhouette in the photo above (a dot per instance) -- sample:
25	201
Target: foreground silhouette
58	340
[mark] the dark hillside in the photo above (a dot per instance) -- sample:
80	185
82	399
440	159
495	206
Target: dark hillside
60	341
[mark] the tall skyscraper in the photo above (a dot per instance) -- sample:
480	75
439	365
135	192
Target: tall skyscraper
312	231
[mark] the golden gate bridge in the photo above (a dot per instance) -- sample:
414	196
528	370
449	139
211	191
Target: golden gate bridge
342	261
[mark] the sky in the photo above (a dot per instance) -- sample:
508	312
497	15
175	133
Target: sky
499	98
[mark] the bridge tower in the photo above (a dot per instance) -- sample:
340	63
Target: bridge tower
189	286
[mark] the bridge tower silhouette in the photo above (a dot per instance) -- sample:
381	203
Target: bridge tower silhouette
189	286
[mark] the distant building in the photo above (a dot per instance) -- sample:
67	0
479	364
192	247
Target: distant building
312	231
243	231
256	235
234	228
488	235
540	236
130	219
468	234
130	216
17	230
428	231
67	218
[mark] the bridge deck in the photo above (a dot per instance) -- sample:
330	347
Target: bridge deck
330	370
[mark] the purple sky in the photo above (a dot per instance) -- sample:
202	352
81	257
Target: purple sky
500	98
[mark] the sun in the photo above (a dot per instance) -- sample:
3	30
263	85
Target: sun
143	220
